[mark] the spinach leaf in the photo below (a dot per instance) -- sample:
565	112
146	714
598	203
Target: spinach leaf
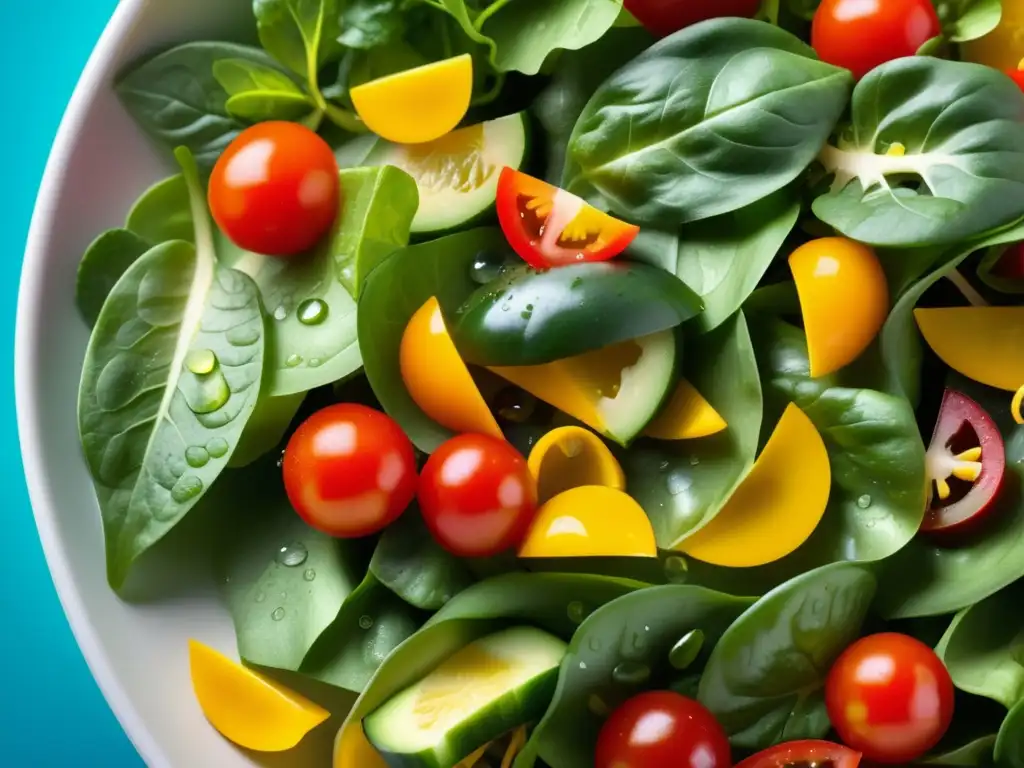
682	485
706	122
176	99
975	752
635	633
391	295
370	23
1009	747
764	678
313	331
163	213
171	376
959	168
410	563
266	427
301	34
257	92
103	264
964	20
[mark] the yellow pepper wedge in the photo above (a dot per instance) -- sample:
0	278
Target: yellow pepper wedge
777	506
1003	47
353	750
569	457
985	344
687	415
247	708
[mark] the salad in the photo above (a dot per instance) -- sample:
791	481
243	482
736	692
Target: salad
629	385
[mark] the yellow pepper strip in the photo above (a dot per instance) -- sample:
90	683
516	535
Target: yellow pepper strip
982	343
474	758
514	746
569	457
1018	397
963	466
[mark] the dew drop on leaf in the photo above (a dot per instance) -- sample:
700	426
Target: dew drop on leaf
631	673
864	501
187	487
312	311
201	361
686	650
197	456
278	614
293	360
365	622
292	555
309	574
217	447
675	570
280	313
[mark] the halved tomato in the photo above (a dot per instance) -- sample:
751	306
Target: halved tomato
549	227
803	753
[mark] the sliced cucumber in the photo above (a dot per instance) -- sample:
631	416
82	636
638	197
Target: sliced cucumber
643	388
485	690
457	175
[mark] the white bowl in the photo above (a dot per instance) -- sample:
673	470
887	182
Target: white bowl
99	164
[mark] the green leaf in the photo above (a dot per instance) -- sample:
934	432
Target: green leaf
637	629
259	93
266	428
804	9
964	20
962	173
682	485
765	675
258	107
103	264
391	295
163	213
370	23
410	563
1009	747
171	376
175	98
707	121
975	752
301	34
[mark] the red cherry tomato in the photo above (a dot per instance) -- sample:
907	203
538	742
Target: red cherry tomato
349	470
477	495
275	189
663	17
1010	265
810	752
862	34
890	697
660	729
549	227
1017	75
966	460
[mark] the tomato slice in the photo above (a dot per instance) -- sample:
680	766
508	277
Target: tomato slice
549	227
966	461
804	753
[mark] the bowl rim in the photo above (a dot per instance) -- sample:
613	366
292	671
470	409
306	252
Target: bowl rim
93	78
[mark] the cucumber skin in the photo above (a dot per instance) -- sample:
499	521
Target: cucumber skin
509	712
673	382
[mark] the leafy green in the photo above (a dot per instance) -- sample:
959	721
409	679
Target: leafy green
257	92
764	678
103	264
370	23
301	34
266	427
706	122
171	376
1009	747
962	173
964	20
163	213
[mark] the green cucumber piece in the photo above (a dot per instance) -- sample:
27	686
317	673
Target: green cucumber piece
486	689
643	388
457	175
527	317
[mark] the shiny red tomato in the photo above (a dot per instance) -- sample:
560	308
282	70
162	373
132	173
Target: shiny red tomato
549	227
275	189
477	495
660	729
890	697
663	17
1017	75
809	752
862	34
349	470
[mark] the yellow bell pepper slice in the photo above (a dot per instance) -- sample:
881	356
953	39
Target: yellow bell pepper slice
687	415
777	506
590	521
247	708
418	105
569	457
353	750
1003	47
985	344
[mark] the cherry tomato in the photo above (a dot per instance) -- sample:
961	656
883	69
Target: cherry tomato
810	752
275	189
549	227
477	495
1017	75
663	17
862	34
890	697
349	470
660	729
966	460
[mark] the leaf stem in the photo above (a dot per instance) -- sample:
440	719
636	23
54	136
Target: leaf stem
496	6
491	93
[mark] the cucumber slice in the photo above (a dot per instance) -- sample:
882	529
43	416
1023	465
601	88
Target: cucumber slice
457	175
485	690
643	388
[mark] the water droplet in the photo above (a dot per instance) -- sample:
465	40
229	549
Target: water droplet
293	360
577	612
312	312
677	484
186	488
864	501
260	597
315	362
309	574
595	644
505	307
526	315
485	269
686	651
576	283
197	456
284	595
663	466
515	405
217	447
292	555
631	673
639	643
278	614
201	361
694	461
529	307
583	665
280	313
675	569
597	706
243	335
280	460
365	622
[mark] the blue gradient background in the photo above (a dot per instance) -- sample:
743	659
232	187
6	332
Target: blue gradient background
51	713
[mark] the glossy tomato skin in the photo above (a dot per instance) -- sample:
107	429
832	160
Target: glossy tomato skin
275	189
1017	75
349	470
863	34
808	752
477	495
684	733
890	697
663	17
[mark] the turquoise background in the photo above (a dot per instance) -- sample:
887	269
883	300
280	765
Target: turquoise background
51	713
